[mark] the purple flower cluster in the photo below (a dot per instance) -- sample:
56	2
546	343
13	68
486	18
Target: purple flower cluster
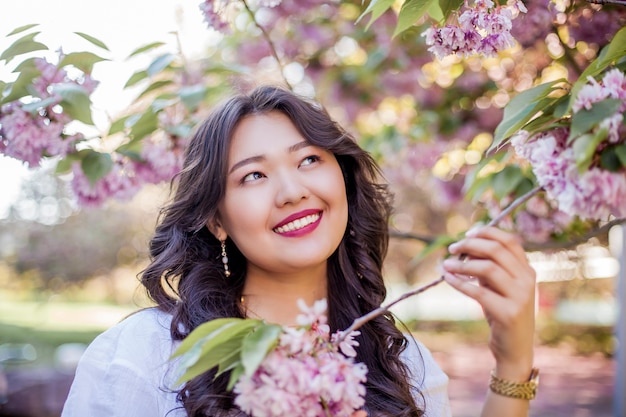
29	135
538	221
483	29
308	374
160	161
593	194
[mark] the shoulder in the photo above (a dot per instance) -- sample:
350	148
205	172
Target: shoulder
129	360
424	368
142	335
427	378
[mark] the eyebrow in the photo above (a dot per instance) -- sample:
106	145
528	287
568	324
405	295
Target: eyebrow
258	158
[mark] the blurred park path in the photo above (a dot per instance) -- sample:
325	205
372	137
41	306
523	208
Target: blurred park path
571	385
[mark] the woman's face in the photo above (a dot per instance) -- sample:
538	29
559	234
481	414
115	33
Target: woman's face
285	205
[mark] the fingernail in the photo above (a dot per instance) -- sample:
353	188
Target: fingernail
453	246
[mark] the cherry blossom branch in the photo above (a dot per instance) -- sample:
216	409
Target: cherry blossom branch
575	241
360	321
269	41
615	2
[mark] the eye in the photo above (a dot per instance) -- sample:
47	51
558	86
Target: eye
253	176
311	159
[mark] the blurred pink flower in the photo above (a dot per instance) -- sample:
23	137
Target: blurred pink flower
29	137
482	29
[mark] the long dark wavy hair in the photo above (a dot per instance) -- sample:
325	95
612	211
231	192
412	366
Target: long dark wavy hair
186	276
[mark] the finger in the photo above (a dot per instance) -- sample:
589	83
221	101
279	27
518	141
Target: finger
508	257
360	413
494	305
509	240
488	272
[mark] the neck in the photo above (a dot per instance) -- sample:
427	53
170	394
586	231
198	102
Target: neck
273	297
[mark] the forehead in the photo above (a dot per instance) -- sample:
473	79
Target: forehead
262	133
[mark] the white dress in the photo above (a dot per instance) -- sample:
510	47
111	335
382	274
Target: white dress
126	372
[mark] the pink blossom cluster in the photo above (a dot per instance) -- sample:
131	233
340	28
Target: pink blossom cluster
160	161
593	194
214	12
612	86
538	221
29	135
308	374
483	29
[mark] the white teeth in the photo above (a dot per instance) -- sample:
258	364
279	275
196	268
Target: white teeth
298	224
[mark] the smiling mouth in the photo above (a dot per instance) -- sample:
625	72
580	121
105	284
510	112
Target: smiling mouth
298	223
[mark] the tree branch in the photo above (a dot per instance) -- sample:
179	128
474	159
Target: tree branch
360	321
576	241
615	2
266	35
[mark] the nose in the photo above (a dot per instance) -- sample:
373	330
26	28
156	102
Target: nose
290	189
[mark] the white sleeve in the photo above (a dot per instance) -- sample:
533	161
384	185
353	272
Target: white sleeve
428	379
121	374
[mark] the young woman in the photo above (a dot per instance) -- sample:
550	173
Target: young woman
277	203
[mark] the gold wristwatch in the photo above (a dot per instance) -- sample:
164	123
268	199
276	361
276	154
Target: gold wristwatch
524	390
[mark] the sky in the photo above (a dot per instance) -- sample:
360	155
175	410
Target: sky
123	25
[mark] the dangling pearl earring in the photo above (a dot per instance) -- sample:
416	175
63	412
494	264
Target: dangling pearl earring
225	259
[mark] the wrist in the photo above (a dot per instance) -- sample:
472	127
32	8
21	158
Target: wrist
525	389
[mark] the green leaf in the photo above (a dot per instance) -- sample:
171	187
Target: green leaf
376	8
19	88
202	331
136	77
22	29
75	101
441	241
620	151
118	125
585	148
34	106
609	160
21	46
84	61
448	6
64	165
146	48
230	361
216	347
583	120
146	124
26	65
155	86
506	181
257	345
193	95
93	40
160	63
411	12
520	110
234	376
611	52
96	165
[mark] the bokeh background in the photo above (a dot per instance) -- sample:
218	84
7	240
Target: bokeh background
67	273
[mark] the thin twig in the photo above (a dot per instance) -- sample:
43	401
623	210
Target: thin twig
576	241
400	235
360	321
615	2
266	35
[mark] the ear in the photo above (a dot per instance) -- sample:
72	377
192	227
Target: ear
215	227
